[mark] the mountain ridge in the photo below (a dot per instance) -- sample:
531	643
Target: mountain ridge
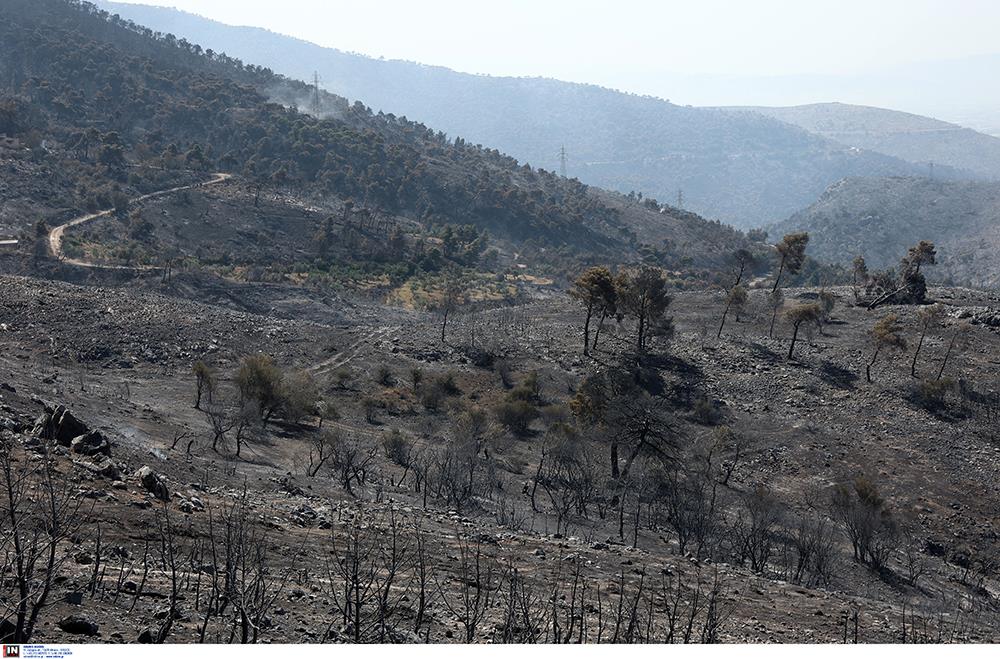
880	218
911	137
743	168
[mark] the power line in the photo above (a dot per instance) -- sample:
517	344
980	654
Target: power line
316	106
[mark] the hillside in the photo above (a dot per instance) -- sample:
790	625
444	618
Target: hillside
119	360
906	136
742	168
112	109
880	218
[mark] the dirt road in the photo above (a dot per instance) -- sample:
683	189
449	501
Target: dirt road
56	233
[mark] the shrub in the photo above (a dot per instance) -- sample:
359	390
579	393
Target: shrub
932	395
705	412
505	371
259	380
554	415
447	385
371	407
516	415
299	396
384	376
342	378
480	357
326	411
431	398
397	448
416	377
204	383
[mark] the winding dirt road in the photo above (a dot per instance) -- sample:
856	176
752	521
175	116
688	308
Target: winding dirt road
56	233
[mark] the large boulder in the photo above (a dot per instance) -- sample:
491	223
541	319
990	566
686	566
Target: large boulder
76	624
91	444
58	423
153	483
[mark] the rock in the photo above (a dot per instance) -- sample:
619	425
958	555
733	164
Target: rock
146	637
934	548
59	424
105	469
90	444
119	485
153	483
76	624
191	505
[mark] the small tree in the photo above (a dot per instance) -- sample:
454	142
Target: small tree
516	414
325	411
735	300
204	382
595	290
827	303
299	396
859	276
259	380
928	319
922	253
887	334
867	521
960	339
742	260
775	300
643	295
451	297
910	287
384	376
808	313
41	514
791	255
321	450
416	377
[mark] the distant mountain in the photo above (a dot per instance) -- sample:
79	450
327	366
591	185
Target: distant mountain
879	218
906	136
959	90
740	167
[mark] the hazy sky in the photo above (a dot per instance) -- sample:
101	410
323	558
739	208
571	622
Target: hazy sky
586	40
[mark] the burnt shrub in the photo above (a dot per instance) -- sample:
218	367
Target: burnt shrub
516	414
932	395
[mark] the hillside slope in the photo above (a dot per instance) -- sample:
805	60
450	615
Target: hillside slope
880	218
741	167
903	135
107	96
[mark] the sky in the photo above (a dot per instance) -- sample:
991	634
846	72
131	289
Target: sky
590	39
699	52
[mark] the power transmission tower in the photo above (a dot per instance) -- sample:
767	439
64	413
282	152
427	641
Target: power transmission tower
315	105
680	199
932	169
562	161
